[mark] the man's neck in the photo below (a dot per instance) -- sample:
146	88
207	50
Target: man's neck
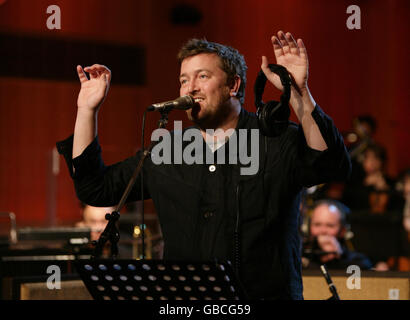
230	122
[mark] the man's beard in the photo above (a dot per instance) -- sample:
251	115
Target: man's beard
211	118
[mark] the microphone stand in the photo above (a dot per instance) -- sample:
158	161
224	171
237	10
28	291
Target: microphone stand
111	232
330	283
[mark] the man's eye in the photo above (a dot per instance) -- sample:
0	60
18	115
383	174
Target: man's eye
203	76
184	81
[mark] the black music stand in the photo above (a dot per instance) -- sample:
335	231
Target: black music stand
159	280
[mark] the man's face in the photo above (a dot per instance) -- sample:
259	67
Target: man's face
371	162
363	129
325	221
406	186
94	218
202	77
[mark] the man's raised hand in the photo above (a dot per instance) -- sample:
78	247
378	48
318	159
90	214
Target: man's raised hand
293	56
93	89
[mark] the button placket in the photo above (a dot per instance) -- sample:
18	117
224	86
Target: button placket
208	214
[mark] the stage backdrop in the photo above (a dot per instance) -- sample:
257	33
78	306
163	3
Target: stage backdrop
352	72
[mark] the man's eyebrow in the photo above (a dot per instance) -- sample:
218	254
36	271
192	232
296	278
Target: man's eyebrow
196	71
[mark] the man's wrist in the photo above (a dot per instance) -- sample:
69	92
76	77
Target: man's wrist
87	113
303	104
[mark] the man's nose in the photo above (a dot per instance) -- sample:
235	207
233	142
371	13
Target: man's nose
319	231
193	87
324	232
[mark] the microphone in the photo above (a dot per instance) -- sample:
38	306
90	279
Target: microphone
330	283
181	103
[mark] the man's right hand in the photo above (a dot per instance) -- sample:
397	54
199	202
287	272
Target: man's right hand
329	244
92	94
93	90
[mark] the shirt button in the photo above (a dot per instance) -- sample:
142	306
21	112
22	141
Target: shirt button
208	215
212	168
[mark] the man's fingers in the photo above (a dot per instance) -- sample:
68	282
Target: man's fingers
271	76
277	47
92	72
264	64
94	75
323	239
302	49
98	67
106	78
97	70
292	44
105	75
81	74
284	42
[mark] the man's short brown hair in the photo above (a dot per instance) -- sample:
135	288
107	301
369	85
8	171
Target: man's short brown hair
232	61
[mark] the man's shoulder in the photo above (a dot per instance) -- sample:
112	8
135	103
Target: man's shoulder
357	258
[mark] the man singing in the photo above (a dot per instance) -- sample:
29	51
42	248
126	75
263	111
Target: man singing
212	211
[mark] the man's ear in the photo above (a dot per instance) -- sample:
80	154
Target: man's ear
235	85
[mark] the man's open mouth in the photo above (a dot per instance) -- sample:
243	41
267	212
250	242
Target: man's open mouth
198	99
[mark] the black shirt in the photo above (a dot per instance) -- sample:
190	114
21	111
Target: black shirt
201	210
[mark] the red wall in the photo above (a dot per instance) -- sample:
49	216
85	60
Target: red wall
351	72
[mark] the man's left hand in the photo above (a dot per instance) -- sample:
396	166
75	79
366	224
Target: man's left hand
292	55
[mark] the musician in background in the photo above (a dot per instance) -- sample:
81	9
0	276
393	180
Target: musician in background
357	140
326	242
403	186
94	218
361	136
374	192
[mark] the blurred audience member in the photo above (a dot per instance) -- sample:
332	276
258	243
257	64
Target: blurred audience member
363	129
357	140
403	187
402	263
374	192
94	218
326	242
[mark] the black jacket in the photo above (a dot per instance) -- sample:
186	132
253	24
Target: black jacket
200	210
